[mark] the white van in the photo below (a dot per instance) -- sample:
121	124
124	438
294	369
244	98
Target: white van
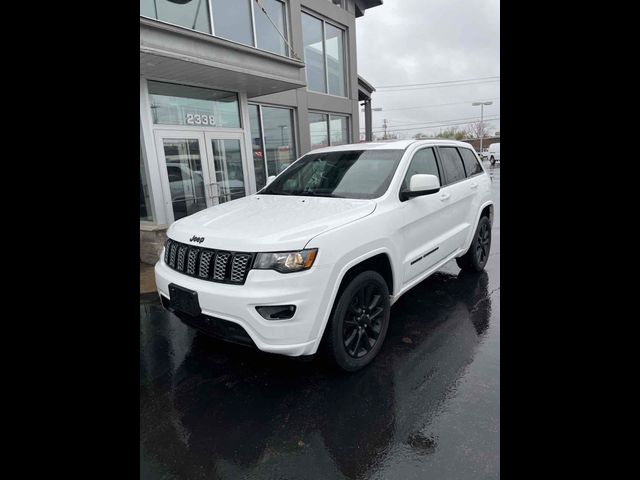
494	153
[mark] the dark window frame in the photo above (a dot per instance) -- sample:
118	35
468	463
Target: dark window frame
442	163
465	166
406	170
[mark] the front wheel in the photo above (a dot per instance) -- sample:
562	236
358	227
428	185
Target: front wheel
478	254
359	323
493	161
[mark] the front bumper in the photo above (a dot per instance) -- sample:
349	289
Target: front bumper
296	336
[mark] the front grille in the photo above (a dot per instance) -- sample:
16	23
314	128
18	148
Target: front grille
208	264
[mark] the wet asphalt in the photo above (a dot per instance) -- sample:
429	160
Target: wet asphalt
427	407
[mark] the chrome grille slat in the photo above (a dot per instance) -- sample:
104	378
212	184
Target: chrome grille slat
182	251
239	266
208	264
172	260
220	266
167	249
205	263
191	260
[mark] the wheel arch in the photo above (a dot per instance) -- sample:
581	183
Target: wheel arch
486	209
379	260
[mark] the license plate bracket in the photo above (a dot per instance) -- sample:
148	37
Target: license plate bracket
184	300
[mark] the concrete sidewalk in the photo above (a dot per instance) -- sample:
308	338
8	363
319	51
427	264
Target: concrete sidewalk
147	279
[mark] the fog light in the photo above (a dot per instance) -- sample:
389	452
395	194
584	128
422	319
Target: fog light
277	312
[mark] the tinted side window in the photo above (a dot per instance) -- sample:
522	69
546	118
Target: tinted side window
423	162
471	164
451	164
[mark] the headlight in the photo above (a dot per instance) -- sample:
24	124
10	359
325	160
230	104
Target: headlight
286	262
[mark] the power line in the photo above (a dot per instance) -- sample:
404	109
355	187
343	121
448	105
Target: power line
400	124
435	83
427	126
396	90
439	105
470	119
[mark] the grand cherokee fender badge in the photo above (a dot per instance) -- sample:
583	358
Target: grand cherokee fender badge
196	239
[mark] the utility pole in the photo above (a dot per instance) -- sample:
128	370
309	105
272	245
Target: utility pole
384	126
482	104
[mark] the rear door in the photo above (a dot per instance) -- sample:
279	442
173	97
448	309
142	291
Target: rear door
457	195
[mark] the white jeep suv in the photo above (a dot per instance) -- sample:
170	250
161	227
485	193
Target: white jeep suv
316	258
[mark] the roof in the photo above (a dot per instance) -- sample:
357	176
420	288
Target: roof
391	145
362	5
365	89
366	85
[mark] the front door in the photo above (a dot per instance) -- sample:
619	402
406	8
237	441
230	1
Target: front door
202	169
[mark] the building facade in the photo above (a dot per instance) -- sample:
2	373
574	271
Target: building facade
232	92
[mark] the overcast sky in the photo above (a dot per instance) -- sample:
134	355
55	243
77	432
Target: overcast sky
426	41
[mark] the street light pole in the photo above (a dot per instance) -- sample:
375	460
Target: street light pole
482	104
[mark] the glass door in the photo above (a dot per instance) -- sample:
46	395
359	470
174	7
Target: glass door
187	177
226	166
200	169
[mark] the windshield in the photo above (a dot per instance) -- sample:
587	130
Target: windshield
346	174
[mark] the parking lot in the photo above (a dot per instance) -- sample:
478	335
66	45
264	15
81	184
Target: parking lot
427	407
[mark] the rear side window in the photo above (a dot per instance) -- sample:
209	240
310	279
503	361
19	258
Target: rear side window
471	164
451	164
423	162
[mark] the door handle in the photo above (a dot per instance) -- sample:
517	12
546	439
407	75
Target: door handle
445	196
474	185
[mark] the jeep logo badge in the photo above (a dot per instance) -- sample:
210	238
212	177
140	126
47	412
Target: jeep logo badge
196	239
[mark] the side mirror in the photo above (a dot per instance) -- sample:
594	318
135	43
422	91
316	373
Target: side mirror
421	184
270	179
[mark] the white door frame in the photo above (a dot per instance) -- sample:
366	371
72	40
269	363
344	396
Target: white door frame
204	138
220	135
159	136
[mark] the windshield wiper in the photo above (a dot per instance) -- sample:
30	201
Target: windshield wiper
319	194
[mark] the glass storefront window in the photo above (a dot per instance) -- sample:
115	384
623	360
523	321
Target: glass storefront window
278	138
266	34
318	130
277	150
257	147
323	50
335	59
328	130
189	14
314	53
339	128
173	104
232	20
145	203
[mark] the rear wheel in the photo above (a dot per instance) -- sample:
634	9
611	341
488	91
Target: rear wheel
478	254
358	326
493	161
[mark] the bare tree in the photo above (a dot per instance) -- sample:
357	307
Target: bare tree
452	132
477	129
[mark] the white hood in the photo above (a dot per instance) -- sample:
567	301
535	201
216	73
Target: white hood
261	223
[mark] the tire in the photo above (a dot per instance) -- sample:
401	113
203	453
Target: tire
493	161
350	327
478	254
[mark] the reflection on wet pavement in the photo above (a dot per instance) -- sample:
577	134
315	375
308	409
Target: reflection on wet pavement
427	407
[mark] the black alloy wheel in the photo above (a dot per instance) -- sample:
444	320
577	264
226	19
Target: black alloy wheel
483	243
362	324
478	254
359	322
